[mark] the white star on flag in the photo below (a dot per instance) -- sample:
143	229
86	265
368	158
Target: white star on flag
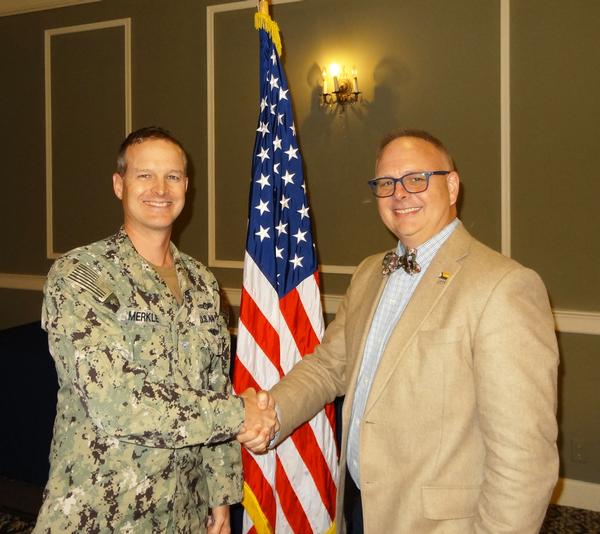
263	233
287	178
292	153
281	228
303	211
299	235
297	261
263	181
264	154
262	206
263	128
285	202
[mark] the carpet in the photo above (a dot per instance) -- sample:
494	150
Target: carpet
559	520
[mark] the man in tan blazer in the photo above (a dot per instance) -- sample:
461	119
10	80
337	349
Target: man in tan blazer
448	368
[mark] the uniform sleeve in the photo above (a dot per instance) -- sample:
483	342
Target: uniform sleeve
515	364
121	396
223	461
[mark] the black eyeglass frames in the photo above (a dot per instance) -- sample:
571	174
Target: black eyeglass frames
413	182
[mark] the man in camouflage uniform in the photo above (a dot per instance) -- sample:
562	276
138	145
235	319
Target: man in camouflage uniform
145	414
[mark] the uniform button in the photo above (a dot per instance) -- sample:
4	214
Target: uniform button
185	344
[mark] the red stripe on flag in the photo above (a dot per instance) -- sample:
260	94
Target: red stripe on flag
242	379
290	505
312	455
330	414
295	316
263	491
260	328
298	322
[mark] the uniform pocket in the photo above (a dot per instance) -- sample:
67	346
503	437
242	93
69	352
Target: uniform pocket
150	347
206	350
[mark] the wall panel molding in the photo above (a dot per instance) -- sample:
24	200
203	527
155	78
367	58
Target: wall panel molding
577	493
573	322
567	321
505	205
213	261
577	322
16	7
48	35
505	162
30	282
505	210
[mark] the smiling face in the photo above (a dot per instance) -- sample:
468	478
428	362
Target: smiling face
414	218
153	186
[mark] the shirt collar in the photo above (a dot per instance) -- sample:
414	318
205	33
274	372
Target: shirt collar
427	251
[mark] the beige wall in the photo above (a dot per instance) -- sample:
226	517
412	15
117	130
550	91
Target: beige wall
432	64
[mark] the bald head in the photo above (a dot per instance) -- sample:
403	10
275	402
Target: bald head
418	134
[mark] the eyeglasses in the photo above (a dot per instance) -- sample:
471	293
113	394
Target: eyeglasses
413	182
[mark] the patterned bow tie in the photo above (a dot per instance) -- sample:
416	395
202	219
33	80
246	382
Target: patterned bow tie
392	262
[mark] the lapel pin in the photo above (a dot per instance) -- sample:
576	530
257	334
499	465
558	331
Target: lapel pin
444	276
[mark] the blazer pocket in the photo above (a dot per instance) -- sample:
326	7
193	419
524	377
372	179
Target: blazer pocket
450	502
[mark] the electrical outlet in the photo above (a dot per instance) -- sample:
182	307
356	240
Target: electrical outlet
578	452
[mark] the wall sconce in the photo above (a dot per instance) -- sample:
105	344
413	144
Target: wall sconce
339	87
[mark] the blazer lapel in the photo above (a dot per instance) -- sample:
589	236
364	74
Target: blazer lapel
362	317
427	294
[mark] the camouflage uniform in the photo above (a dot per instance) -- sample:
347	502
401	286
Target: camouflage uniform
145	415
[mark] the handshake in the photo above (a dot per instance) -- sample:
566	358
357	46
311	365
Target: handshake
260	421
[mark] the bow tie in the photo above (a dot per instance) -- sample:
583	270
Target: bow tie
392	262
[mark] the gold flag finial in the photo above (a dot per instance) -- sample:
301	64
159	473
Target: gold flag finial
263	21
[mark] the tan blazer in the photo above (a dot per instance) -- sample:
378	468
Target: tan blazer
459	431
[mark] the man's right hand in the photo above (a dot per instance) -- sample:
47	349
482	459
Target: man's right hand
260	423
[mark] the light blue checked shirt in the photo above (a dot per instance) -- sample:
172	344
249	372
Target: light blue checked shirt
396	295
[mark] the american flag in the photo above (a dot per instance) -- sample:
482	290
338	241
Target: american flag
291	488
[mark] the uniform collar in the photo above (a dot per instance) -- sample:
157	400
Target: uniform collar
135	266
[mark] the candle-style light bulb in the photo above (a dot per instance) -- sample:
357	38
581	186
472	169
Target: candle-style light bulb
354	80
334	68
325	88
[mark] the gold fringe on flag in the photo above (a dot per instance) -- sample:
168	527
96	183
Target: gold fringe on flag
258	517
253	509
263	21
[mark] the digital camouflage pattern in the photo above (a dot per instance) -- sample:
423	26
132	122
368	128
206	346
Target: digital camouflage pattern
145	415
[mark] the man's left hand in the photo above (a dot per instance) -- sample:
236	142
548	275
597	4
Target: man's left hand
218	521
